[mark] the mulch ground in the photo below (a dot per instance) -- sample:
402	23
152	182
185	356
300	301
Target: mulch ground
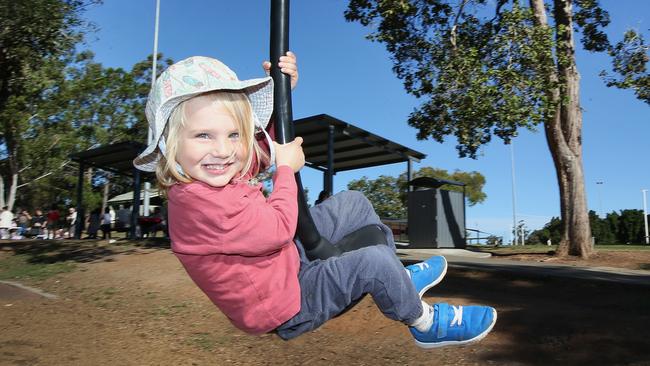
136	306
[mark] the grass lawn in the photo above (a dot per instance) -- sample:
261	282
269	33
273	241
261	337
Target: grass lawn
21	267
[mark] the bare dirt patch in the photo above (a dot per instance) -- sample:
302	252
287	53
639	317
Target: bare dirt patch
629	259
136	306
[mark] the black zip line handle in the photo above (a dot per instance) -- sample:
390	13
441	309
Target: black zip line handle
316	247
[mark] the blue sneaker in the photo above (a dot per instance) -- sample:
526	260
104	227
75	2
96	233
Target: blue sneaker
427	274
456	325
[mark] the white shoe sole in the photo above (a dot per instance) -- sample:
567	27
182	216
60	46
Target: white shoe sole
460	343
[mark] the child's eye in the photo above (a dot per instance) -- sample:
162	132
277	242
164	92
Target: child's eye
202	135
234	135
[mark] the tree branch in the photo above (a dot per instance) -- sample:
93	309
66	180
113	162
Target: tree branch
452	32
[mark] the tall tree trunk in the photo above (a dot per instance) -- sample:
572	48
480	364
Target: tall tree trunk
2	192
8	194
107	187
12	191
564	132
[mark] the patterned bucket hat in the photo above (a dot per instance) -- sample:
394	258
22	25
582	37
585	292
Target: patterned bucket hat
191	77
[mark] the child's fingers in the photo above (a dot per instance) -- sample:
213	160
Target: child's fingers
298	140
287	66
290	57
267	67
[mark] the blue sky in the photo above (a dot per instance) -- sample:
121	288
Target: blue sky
350	78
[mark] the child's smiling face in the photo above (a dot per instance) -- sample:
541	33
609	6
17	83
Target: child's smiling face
210	147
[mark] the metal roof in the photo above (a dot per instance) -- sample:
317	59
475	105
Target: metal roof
354	148
116	158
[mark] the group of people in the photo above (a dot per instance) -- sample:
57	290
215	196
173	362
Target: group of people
55	224
50	225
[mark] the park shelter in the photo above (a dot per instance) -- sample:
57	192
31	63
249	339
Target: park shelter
330	145
115	158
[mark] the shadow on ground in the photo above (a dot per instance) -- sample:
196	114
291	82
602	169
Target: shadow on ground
559	321
80	251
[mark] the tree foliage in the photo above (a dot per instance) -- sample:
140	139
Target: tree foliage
490	68
630	58
56	100
90	105
623	227
36	38
388	194
476	76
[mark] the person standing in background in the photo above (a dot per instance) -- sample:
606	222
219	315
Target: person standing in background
24	219
38	224
71	221
53	217
106	224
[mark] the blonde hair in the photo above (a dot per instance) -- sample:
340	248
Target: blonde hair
239	107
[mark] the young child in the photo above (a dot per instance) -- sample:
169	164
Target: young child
239	246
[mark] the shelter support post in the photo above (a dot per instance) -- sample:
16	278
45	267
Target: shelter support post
79	224
135	207
328	184
409	174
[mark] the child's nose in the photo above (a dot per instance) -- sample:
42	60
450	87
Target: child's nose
222	148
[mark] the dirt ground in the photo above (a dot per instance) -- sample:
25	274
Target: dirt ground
629	259
130	305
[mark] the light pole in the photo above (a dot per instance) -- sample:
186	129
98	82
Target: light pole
645	215
600	200
147	186
514	195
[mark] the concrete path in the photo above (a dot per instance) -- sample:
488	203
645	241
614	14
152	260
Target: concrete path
10	290
460	258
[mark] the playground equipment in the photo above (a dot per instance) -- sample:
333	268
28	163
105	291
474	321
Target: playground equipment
316	247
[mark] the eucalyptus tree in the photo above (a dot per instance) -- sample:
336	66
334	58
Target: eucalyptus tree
89	105
35	38
489	68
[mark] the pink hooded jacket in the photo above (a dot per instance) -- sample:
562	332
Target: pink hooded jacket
237	246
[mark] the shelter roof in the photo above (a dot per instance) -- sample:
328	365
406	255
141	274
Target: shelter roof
116	158
354	148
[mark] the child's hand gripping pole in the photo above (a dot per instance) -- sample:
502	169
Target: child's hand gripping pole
315	245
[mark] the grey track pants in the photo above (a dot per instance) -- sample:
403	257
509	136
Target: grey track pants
328	287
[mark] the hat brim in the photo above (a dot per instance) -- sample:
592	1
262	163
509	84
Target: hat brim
259	92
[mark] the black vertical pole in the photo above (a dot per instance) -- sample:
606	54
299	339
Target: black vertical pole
79	224
315	245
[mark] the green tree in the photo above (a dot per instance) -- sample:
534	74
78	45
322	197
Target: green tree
485	68
89	105
474	182
388	194
552	230
631	227
383	193
600	229
612	220
36	36
630	64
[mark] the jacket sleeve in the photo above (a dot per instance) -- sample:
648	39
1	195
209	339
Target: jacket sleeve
249	226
